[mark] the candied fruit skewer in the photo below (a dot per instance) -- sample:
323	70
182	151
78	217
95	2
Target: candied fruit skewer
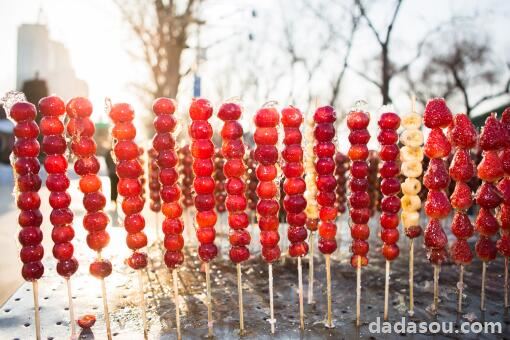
463	137
202	151
81	130
234	170
267	120
165	160
342	166
294	187
411	157
154	188
54	146
25	164
129	170
324	149
389	122
359	200
488	197
503	244
437	205
312	210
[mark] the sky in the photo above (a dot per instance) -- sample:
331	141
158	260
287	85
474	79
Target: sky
98	40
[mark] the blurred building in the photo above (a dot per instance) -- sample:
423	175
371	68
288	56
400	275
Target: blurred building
39	57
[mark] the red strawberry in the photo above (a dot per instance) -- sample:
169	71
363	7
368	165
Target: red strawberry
436	177
505	160
437	114
461	198
485	249
488	196
460	252
486	224
461	226
437	256
437	204
462	167
494	136
504	190
504	217
434	235
505	119
503	245
462	132
437	145
490	168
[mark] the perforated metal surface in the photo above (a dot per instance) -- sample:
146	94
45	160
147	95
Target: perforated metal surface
16	316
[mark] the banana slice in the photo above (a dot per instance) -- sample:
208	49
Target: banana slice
411	186
312	212
410	202
411	121
413	138
410	218
408	153
412	169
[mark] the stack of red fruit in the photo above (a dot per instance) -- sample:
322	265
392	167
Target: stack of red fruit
294	186
234	169
54	145
252	182
324	149
164	145
359	200
503	243
26	166
154	186
186	173
490	170
342	166
202	151
266	155
390	184
436	179
463	137
81	129
219	178
129	187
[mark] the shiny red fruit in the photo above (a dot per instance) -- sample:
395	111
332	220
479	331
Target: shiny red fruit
98	240
461	252
436	177
100	268
389	220
461	226
163	106
486	249
360	231
389	120
434	235
136	240
357	120
206	218
207	252
79	107
389	152
33	270
437	204
390	251
173	259
437	114
327	246
86	321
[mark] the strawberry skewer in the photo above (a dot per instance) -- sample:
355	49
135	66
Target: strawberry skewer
490	170
503	243
463	137
437	206
411	156
389	122
359	200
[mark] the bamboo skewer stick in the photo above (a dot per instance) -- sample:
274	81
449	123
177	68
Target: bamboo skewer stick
72	321
310	270
35	288
106	312
358	291
436	289
461	289
240	296
272	321
329	320
506	282
482	295
210	332
386	290
300	289
176	302
411	277
143	309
